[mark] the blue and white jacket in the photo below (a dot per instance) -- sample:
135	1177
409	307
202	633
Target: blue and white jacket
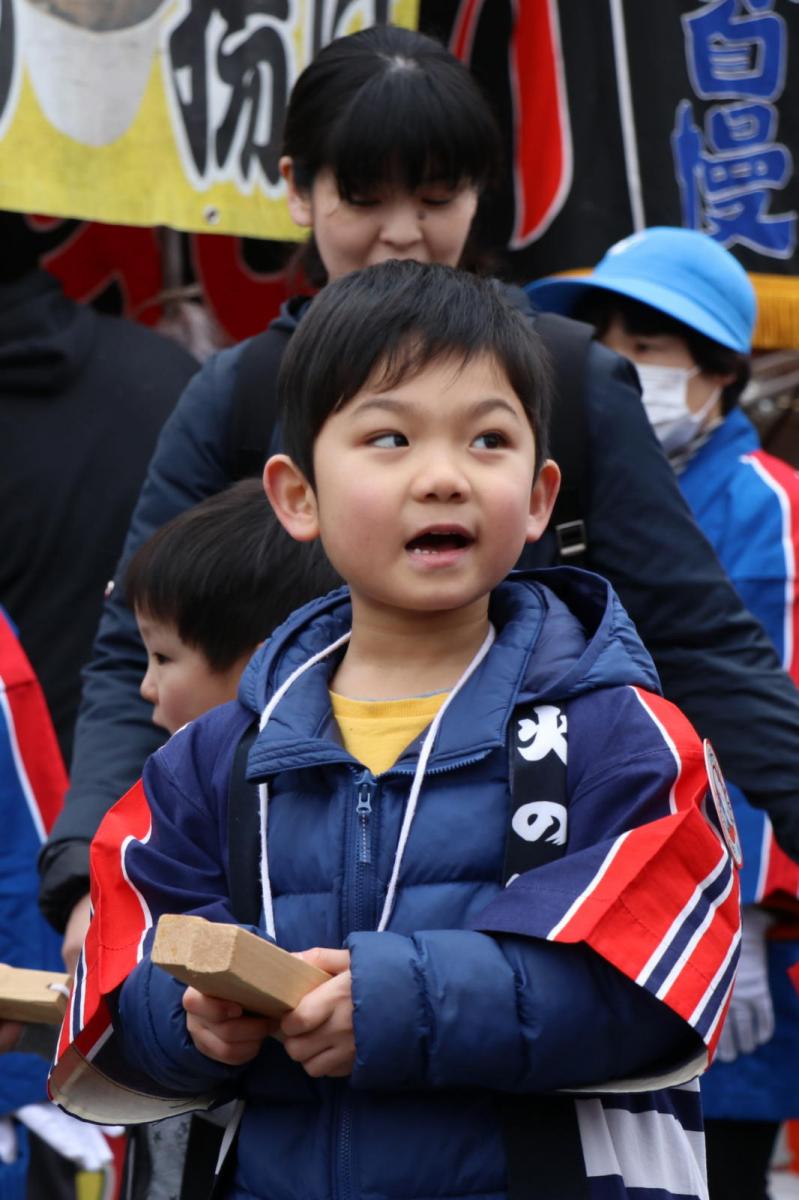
747	503
607	970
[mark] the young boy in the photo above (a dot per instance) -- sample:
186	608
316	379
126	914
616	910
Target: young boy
206	589
414	418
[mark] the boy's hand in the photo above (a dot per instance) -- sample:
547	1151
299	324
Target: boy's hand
222	1030
75	932
318	1033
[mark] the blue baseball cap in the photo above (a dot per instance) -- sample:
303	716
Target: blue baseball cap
681	272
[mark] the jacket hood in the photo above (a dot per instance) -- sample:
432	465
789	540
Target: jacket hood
45	338
560	632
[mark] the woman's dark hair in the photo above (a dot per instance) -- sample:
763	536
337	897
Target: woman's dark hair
383	325
388	105
600	307
225	574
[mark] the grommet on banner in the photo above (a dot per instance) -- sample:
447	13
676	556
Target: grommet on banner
723	805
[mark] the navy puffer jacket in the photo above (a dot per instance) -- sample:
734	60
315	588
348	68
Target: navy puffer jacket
446	1017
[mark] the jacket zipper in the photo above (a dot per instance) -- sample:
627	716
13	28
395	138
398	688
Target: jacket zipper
345	1145
363	810
365	791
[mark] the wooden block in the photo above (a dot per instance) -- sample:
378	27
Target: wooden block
233	964
39	997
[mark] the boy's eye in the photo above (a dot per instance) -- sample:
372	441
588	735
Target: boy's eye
161	659
389	441
363	201
490	441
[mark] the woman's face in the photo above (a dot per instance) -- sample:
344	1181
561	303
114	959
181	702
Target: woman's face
428	225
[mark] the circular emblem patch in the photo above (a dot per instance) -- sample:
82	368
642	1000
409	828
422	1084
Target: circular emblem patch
723	805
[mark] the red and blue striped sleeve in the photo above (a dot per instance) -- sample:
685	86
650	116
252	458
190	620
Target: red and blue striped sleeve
648	882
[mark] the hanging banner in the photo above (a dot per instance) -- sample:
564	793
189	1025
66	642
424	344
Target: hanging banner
616	114
159	112
620	114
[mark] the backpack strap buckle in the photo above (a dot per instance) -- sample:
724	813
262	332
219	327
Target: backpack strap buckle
572	538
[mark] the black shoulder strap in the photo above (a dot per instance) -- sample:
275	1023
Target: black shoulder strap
568	343
243	836
542	1137
254	417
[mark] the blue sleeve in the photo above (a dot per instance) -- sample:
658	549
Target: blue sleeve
754	531
180	867
706	646
115	733
151	1032
150	1024
543	1017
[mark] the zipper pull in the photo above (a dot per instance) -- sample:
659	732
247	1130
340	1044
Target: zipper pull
363	810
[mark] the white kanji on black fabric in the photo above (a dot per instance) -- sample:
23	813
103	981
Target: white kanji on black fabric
539	818
545	732
539	795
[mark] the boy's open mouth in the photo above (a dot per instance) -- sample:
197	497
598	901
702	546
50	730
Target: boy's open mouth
439	541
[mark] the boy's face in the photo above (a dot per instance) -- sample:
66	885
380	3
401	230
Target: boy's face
424	494
666	350
179	683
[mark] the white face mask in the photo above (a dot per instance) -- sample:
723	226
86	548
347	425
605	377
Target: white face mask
664	393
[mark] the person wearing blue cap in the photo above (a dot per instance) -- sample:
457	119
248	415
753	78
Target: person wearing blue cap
683	310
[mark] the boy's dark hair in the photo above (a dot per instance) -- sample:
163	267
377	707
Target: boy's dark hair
385	324
600	307
225	573
388	106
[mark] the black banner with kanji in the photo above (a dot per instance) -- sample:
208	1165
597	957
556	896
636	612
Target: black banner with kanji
622	114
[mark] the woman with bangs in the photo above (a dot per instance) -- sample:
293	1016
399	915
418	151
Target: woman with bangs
386	88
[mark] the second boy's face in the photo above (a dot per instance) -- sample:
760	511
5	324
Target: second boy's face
179	683
424	494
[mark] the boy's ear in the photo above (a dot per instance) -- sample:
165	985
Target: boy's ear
542	499
298	199
292	498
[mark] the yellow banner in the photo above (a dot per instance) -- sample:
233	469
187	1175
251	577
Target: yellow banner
160	112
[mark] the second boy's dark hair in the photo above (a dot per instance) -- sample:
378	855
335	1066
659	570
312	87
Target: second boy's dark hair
225	573
383	325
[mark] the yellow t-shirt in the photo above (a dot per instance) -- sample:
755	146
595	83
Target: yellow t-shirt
377	731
